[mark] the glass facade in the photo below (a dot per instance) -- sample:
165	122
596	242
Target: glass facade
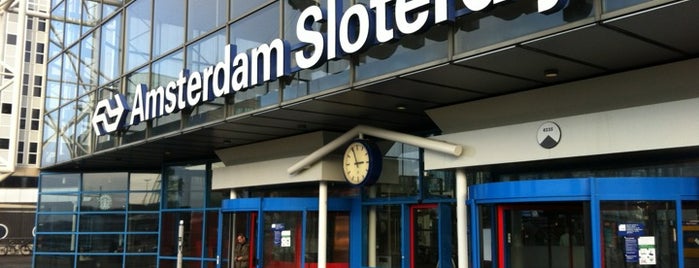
121	218
100	48
125	218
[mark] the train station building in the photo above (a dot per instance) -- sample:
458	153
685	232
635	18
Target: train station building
370	133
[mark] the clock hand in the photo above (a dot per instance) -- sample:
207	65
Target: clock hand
356	163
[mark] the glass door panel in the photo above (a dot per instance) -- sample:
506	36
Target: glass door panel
337	240
424	240
554	233
240	233
638	233
690	233
282	239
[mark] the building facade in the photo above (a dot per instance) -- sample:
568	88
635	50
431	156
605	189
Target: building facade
23	59
357	133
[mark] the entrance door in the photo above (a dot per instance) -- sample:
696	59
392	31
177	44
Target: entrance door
243	237
430	239
283	232
542	235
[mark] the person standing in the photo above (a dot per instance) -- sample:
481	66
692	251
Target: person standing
241	252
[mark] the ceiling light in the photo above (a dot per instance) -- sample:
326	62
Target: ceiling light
551	73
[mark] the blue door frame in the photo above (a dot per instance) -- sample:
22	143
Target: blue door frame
592	190
292	204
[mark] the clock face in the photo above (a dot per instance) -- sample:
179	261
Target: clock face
361	163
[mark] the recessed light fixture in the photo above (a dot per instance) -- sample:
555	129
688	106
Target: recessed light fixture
401	107
551	73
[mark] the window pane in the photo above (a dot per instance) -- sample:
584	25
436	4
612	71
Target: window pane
166	70
102	222
625	222
105	181
281	224
143	222
186	186
60	183
57	223
690	232
103	202
110	49
58	261
138	23
204	16
112	243
168	28
142	243
240	7
507	22
55	243
200	55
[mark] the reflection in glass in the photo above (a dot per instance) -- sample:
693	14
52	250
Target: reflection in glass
112	243
54	243
612	5
135	132
58	203
83	128
255	30
164	71
103	202
67	182
91	14
143	222
409	51
281	224
91	261
115	181
338	237
53	260
401	168
57	223
240	7
205	15
66	125
70	70
690	233
186	186
138	24
142	243
516	19
388	232
110	50
168	25
655	219
141	261
200	55
88	61
145	181
102	222
192	233
48	147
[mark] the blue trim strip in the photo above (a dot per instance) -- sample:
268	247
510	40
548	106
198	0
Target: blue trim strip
635	188
595	190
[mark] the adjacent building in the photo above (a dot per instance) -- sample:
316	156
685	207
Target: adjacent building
23	57
358	133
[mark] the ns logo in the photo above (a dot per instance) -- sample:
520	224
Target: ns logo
110	115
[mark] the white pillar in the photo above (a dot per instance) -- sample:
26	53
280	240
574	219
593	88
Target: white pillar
461	218
322	224
371	231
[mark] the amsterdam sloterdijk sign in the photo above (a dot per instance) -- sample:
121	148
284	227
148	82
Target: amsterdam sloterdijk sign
356	29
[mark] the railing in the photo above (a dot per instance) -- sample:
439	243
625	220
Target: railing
16	246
